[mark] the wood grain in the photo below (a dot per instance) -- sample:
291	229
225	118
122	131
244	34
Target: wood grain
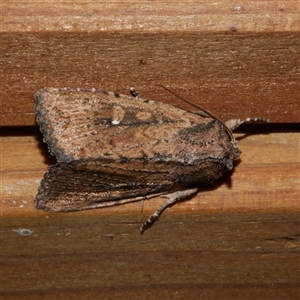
154	16
238	239
235	60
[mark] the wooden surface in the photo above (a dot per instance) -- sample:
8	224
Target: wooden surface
236	60
238	239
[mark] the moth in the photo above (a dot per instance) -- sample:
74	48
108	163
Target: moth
114	149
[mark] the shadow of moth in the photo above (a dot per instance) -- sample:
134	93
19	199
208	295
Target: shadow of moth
113	149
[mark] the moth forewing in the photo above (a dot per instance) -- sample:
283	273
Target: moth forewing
106	125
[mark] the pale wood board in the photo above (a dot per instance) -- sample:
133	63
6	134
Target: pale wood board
234	242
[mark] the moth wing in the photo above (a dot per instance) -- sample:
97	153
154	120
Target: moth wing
88	184
90	124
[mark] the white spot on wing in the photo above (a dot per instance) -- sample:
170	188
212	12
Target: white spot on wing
116	122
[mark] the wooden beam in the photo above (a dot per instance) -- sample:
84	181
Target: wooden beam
239	237
234	60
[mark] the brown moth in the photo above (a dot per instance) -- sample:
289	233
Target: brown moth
113	149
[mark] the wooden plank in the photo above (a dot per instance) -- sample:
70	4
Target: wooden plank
275	155
238	239
132	15
234	60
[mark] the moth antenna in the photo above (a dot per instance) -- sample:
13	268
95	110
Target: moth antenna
198	107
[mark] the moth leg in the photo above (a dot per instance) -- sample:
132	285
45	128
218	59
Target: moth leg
134	93
172	198
235	123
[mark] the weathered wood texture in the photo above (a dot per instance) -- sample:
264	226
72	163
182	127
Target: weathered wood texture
235	60
239	239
